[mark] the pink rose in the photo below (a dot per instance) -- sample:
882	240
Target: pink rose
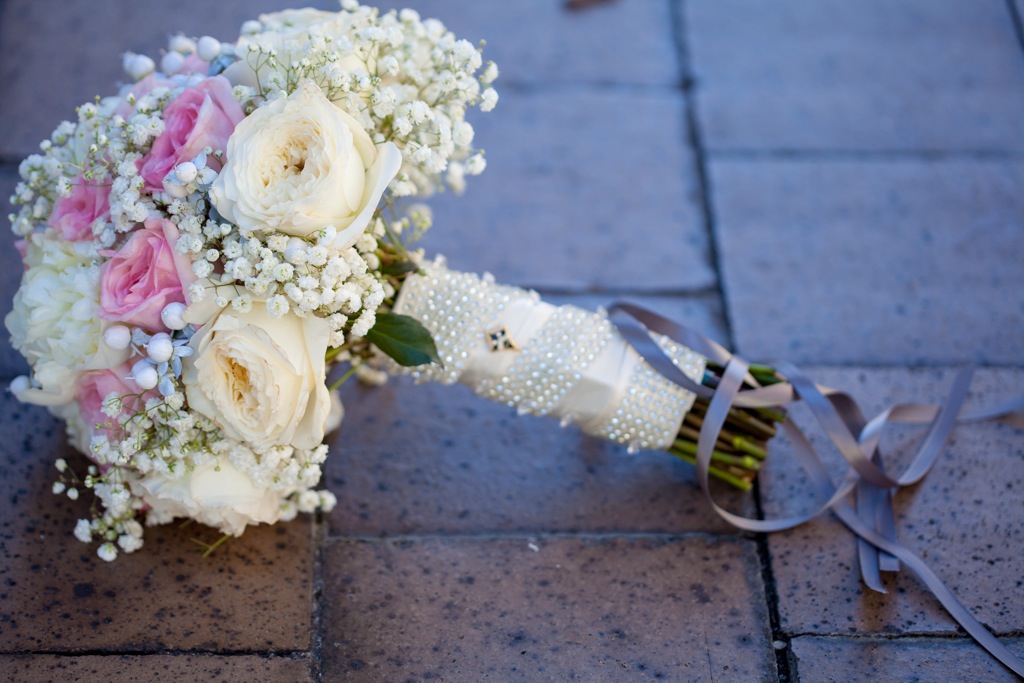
73	216
96	385
143	276
200	117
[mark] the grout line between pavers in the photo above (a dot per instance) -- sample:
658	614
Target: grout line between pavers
1018	23
784	667
112	652
700	161
316	620
952	636
862	155
538	536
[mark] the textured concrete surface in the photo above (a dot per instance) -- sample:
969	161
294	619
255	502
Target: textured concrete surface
58	596
901	261
139	669
583	183
829	182
903	660
557	609
867	76
962	520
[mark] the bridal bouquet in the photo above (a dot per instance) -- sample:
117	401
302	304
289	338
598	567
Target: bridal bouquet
203	247
199	248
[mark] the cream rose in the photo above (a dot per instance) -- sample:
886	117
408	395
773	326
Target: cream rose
217	494
300	164
261	379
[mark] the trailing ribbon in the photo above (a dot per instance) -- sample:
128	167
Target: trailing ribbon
856	438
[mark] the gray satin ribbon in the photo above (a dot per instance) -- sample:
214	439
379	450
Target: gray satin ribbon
856	438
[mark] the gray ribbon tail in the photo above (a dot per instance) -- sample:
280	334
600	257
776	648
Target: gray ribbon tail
856	438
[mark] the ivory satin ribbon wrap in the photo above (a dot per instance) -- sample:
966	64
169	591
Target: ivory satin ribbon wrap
631	375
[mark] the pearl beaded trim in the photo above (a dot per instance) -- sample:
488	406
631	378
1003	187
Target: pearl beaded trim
458	309
551	363
652	407
560	361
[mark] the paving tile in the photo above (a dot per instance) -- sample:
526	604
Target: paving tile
44	85
872	75
11	362
567	609
902	660
541	41
145	669
873	262
57	595
964	519
433	459
536	41
580	184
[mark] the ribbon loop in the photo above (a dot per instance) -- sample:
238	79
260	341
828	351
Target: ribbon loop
855	437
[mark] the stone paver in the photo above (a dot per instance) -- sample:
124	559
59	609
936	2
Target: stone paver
437	459
580	186
904	660
542	42
900	262
565	609
11	362
253	594
149	668
531	41
963	519
83	66
869	75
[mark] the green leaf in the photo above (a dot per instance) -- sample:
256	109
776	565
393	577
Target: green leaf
404	339
399	268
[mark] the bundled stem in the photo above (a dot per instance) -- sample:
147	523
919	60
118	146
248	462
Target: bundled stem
742	444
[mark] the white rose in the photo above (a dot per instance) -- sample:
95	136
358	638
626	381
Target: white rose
217	494
261	379
300	164
55	320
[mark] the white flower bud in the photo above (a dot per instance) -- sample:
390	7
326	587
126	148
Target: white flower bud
20	384
182	44
172	62
295	251
208	48
107	552
172	315
117	337
175	190
160	348
251	27
139	66
186	171
145	375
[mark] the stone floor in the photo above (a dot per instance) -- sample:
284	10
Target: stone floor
830	182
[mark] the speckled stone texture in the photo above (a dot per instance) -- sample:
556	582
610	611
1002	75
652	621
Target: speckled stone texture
907	660
11	362
405	462
553	609
563	46
871	262
867	75
963	519
579	184
149	668
57	595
